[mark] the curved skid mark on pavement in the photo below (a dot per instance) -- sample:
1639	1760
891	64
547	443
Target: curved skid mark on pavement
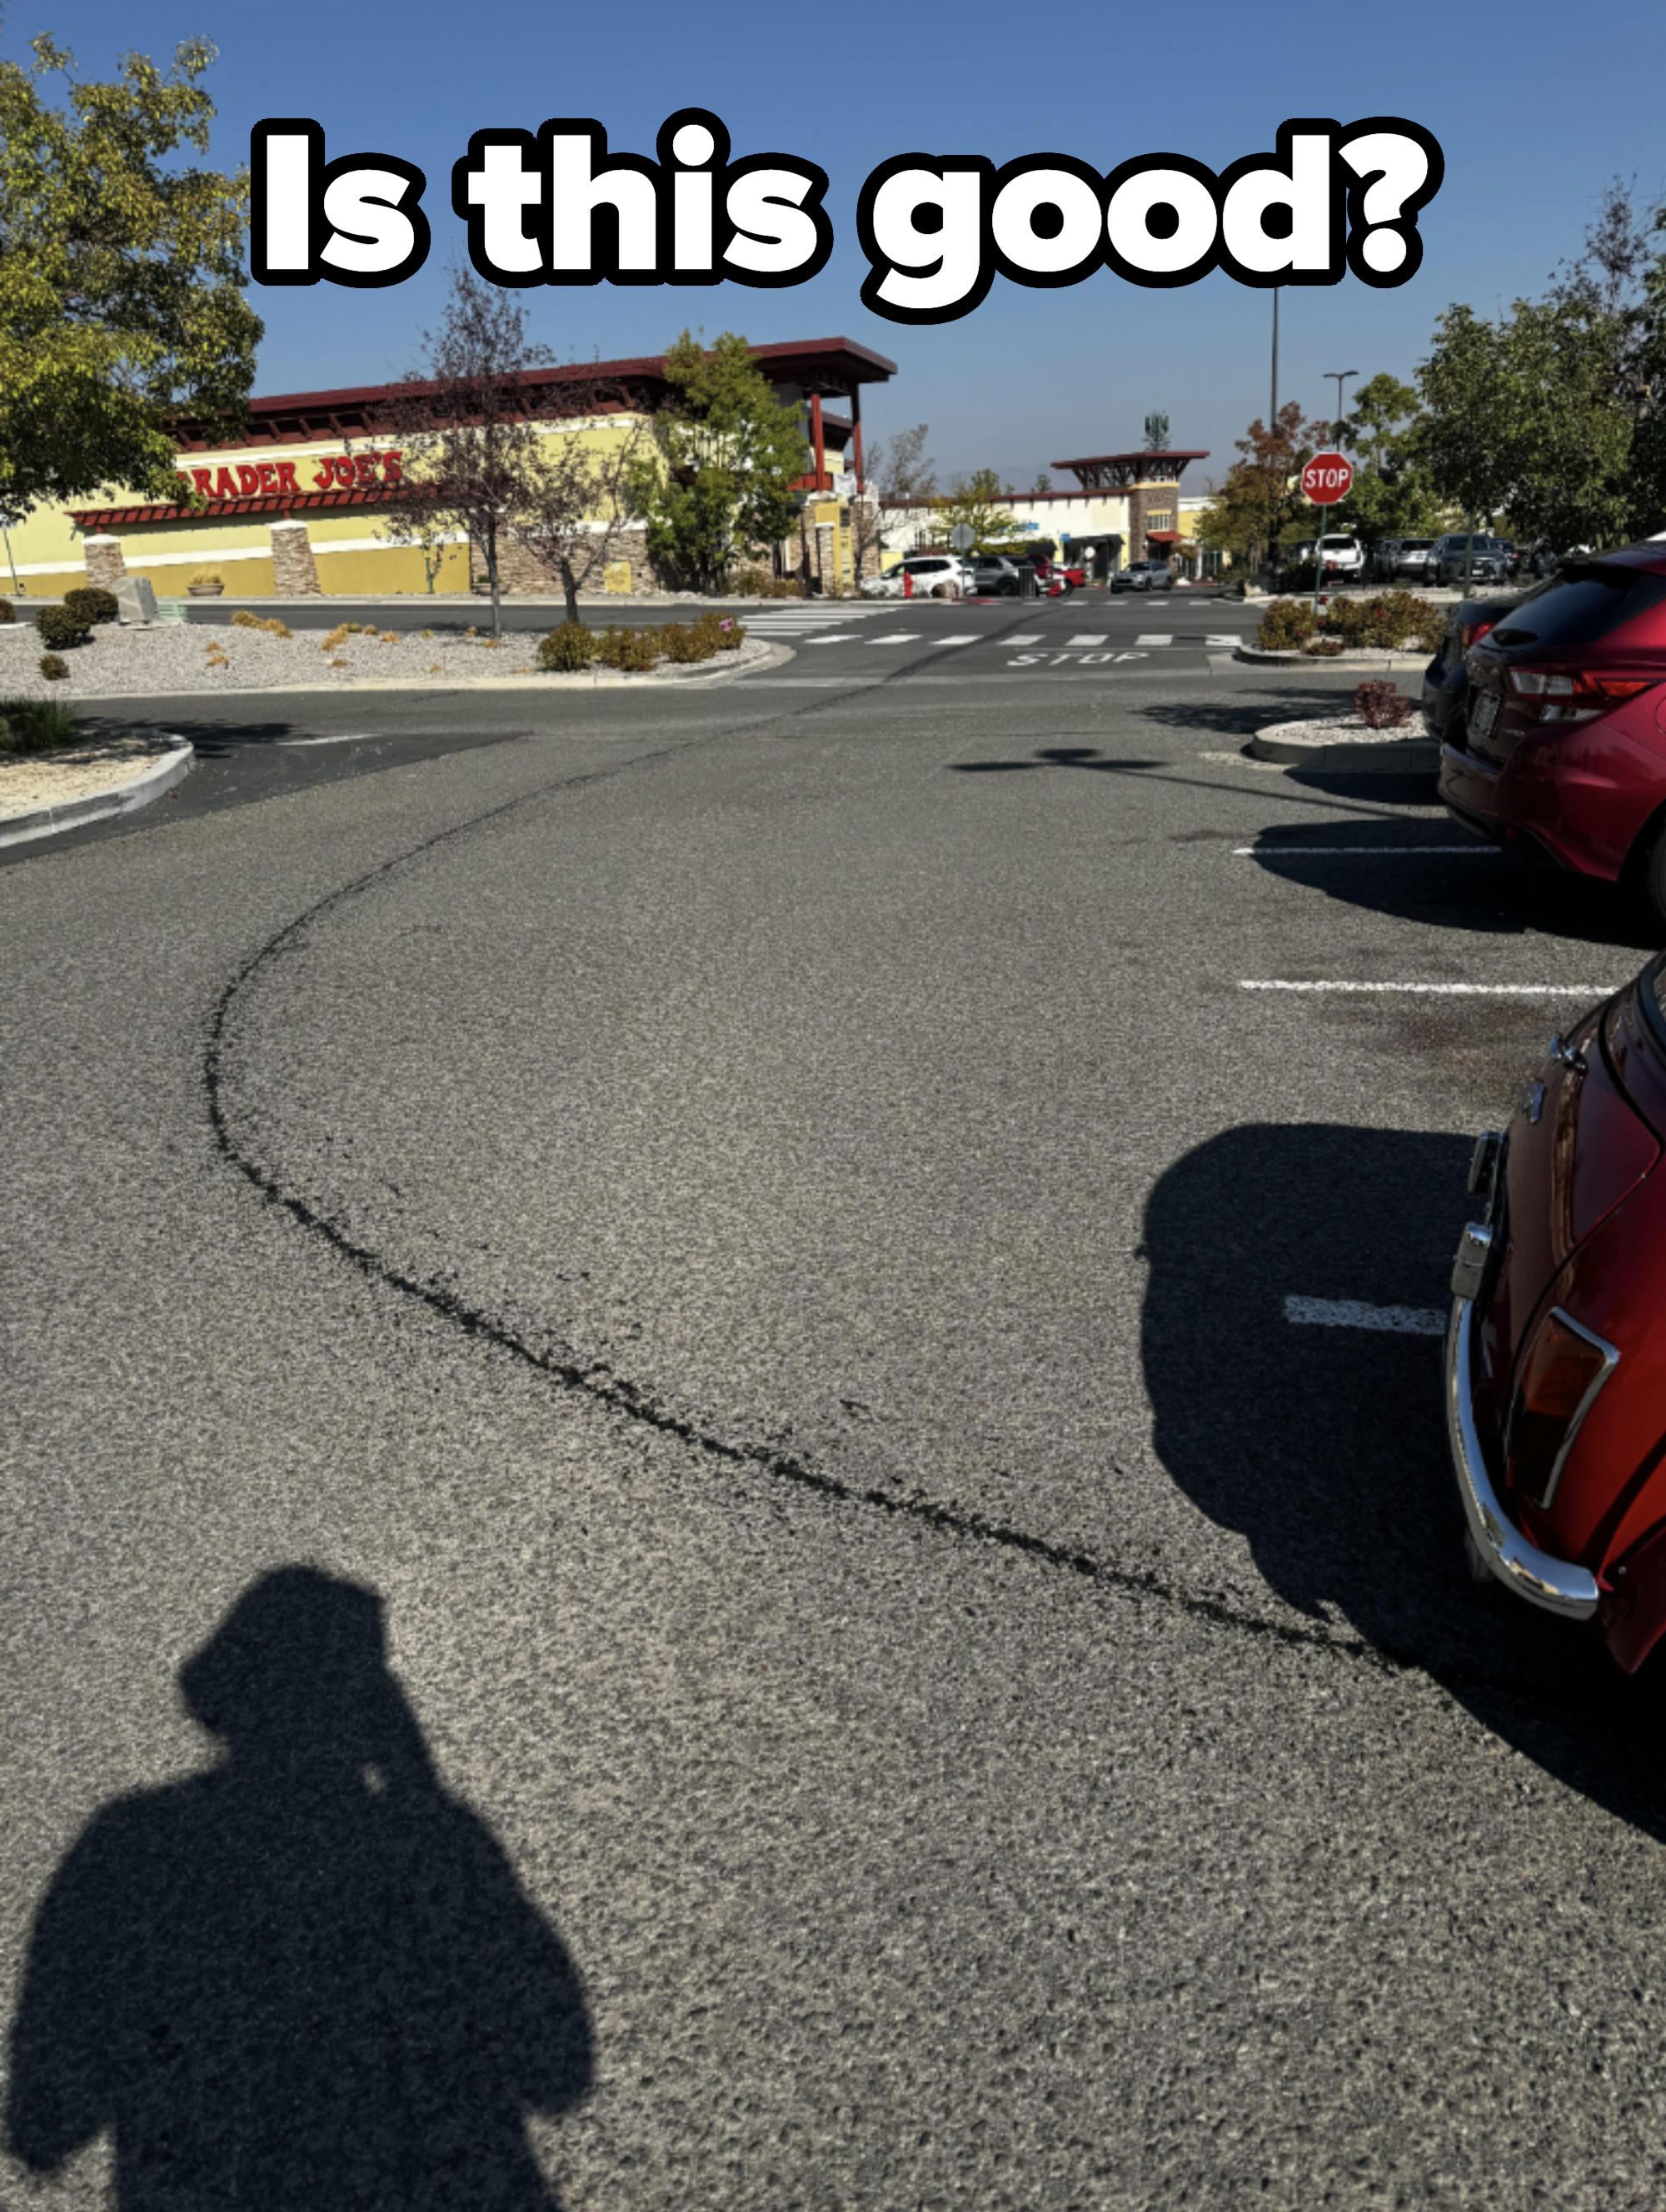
600	1382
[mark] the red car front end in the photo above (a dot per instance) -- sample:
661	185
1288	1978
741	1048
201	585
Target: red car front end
1556	1351
1561	744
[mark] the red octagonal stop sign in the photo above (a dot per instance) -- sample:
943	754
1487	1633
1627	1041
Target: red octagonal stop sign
1327	478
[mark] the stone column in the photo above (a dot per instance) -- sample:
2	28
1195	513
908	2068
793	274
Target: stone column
294	572
105	567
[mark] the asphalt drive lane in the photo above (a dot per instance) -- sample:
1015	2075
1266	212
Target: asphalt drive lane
764	1240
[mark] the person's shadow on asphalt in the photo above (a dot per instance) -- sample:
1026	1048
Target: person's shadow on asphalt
306	1979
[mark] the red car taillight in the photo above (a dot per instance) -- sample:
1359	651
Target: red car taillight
1471	631
1565	1367
1586	695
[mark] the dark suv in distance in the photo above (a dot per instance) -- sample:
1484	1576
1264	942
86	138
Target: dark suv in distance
1461	558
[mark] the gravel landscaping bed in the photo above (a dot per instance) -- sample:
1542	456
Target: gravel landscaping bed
175	657
55	779
1332	729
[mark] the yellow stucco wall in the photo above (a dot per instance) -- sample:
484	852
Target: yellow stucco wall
46	554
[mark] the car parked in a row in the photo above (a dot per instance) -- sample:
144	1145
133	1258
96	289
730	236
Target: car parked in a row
1556	1347
1144	576
1557	748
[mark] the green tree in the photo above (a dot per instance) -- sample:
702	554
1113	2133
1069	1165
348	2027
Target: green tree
1529	420
1261	502
728	453
976	500
121	281
1392	495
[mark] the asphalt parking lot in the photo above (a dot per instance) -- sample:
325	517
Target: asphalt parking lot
853	1257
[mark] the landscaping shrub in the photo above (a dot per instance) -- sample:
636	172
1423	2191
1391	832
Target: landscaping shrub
635	651
720	633
758	583
570	647
682	645
1286	625
1299	576
36	726
244	620
1325	648
54	667
1381	705
6	614
61	629
91	603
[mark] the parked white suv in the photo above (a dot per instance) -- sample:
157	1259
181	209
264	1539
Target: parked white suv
929	572
1346	554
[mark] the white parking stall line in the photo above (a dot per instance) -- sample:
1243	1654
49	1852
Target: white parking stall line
1160	637
1349	1313
1364	852
1088	637
1450	990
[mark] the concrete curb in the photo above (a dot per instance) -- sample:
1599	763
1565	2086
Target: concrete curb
771	656
120	798
1384	663
1384	756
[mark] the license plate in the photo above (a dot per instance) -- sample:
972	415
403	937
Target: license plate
1486	713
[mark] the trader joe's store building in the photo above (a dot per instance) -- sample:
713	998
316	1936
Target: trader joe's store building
291	506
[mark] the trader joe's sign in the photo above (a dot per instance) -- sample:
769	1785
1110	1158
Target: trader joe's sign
344	471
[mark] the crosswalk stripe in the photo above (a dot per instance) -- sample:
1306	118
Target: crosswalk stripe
1227	641
896	637
1162	637
1088	637
959	640
1035	640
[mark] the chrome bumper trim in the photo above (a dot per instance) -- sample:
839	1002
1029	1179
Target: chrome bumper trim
1556	1584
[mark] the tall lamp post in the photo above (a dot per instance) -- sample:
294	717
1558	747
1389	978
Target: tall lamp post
1338	377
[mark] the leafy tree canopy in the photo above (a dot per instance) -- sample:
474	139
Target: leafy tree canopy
728	452
977	501
121	277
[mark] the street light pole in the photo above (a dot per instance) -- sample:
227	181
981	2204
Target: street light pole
1339	377
1272	411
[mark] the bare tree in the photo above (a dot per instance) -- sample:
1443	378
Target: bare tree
899	470
578	504
477	459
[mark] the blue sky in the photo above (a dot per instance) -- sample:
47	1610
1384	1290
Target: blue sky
1535	108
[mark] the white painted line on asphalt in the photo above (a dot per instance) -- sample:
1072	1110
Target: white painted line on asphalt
894	637
843	637
1227	640
1155	637
348	737
959	640
1034	639
1364	852
1088	637
1348	1313
1454	990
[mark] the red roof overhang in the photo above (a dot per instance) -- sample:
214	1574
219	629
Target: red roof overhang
225	510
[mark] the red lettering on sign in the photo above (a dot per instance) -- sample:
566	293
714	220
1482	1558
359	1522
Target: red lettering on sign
286	477
248	478
391	472
268	477
365	468
224	485
203	480
325	476
185	480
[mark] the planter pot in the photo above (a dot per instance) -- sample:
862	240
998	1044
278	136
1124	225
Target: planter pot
205	591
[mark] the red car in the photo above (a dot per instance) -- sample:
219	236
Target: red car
1560	747
1556	1351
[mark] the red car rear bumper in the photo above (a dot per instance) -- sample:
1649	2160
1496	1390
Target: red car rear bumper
1579	795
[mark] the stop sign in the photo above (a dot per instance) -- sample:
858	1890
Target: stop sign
1327	478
